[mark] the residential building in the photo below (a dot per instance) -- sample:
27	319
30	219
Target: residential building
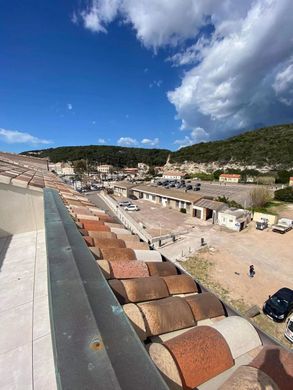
122	188
174	199
291	181
229	178
206	209
62	168
173	175
131	172
234	219
105	168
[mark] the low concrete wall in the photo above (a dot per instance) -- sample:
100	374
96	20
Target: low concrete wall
21	210
272	219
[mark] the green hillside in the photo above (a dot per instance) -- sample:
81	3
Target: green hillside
117	156
270	145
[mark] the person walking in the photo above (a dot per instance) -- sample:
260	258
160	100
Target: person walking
251	271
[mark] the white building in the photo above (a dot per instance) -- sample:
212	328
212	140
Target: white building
106	168
62	168
229	178
173	175
234	219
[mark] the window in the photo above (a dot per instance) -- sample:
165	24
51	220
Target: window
177	203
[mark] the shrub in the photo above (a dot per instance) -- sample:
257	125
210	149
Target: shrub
285	194
260	196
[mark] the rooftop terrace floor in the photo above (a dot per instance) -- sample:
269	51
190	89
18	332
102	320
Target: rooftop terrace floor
26	357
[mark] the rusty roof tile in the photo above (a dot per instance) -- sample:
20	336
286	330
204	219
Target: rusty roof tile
205	305
161	268
201	354
145	289
109	243
180	284
128	269
113	254
160	315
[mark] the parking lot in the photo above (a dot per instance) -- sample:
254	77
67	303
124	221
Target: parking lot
240	193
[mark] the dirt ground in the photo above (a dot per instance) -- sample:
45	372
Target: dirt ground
229	255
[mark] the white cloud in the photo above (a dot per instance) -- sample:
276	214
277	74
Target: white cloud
94	122
231	86
196	135
19	137
127	141
283	84
101	141
150	142
161	22
99	14
240	70
69	106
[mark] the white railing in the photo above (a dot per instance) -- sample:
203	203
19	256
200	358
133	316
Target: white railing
126	219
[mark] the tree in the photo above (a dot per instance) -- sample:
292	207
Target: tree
260	196
79	167
285	194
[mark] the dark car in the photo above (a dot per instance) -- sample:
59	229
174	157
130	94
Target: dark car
196	189
189	187
279	305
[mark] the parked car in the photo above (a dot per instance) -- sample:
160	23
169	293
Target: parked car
132	207
125	203
279	305
196	188
262	225
189	187
283	226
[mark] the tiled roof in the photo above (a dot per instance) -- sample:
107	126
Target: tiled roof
26	161
230	175
23	172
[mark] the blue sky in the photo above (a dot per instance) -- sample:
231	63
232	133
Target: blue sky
141	73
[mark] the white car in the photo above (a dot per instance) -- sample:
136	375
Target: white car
125	203
131	207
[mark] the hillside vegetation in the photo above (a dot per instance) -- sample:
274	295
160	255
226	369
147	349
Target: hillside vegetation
117	156
271	145
267	146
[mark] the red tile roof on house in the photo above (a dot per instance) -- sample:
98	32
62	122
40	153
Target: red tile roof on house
231	175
